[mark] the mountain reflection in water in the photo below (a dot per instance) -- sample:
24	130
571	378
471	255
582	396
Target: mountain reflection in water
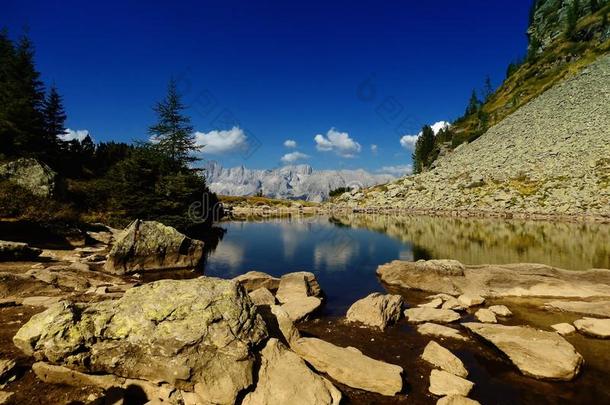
344	251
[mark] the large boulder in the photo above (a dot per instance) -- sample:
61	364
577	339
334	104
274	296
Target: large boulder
284	378
536	353
13	251
349	366
150	245
193	334
377	310
34	176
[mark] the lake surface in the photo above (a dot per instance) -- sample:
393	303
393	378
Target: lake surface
344	252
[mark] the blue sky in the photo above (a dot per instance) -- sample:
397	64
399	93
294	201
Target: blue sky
355	73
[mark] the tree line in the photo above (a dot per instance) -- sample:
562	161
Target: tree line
114	182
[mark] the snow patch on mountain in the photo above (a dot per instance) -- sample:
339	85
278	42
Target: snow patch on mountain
297	182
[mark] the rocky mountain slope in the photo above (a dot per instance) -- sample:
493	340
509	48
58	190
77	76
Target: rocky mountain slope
290	182
552	156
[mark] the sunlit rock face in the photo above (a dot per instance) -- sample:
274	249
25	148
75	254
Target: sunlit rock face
549	157
195	334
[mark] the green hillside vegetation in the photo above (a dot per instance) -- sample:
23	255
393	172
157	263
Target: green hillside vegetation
107	182
581	44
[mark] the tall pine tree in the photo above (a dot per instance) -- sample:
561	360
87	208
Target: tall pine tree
173	131
54	119
488	89
423	149
7	60
27	98
473	104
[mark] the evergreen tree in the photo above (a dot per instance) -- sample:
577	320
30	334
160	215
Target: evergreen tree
173	130
423	149
474	104
605	20
27	98
54	118
488	89
572	19
7	60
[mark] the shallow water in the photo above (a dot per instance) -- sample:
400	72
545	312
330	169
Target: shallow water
344	252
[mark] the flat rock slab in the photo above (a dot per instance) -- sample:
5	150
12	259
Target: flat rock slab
443	383
563	329
599	308
253	280
486	316
471	300
435	303
442	358
294	286
13	251
538	354
456	400
377	310
518	280
299	309
53	374
454	304
501	310
599	328
418	315
41	301
432	329
350	367
284	378
262	296
9	302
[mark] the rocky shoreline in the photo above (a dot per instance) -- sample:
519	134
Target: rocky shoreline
332	209
77	328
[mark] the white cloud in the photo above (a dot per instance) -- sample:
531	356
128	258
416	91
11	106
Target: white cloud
71	135
293	157
374	149
399	170
437	126
408	141
289	143
338	142
219	142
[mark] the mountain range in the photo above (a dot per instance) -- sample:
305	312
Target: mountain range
299	182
